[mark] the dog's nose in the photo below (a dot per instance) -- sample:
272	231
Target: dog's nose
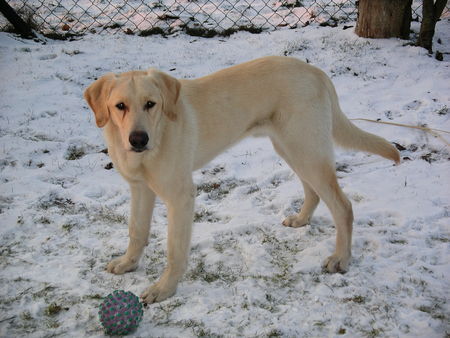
139	140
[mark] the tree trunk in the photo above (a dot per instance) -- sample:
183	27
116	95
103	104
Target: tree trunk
384	18
431	13
15	20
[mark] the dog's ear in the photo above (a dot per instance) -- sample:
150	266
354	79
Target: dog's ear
97	95
170	88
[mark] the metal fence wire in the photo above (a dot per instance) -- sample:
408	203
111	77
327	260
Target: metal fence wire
196	17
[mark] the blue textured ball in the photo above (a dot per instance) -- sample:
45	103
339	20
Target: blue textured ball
120	313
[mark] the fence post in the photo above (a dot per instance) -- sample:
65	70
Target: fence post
16	20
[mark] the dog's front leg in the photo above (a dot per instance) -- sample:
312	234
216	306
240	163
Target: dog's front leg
142	203
180	217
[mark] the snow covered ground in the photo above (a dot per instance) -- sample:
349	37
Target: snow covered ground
63	210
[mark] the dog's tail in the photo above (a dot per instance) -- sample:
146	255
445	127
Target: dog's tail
347	135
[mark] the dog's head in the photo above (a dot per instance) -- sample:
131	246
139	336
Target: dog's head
135	102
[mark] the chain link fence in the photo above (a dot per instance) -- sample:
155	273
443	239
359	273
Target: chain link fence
65	18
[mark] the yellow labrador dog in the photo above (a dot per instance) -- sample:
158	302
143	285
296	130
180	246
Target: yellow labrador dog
159	129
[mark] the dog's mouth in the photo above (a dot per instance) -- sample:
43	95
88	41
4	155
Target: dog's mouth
138	150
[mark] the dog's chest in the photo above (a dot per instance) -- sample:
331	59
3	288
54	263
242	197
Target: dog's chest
129	165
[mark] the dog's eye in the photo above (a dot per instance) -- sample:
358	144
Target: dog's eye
149	104
120	106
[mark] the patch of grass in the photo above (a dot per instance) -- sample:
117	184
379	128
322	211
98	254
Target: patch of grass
68	226
74	152
53	200
53	309
152	31
65	206
5	202
269	303
205	216
198	328
418	283
44	292
30	163
289	247
252	189
200	272
320	324
343	167
201	31
208	187
275	333
398	241
36	137
52	324
158	4
44	220
356	299
162	312
282	254
214	171
276	181
243	28
295	46
95	296
7	163
218	190
291	4
64	182
106	215
26	315
373	333
7	250
114	25
435	311
430	157
441	239
218	272
226	241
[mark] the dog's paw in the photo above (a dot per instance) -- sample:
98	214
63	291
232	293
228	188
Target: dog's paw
122	264
336	263
295	221
157	293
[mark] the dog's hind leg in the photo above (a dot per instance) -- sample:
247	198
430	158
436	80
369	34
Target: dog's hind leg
307	209
311	198
325	183
317	172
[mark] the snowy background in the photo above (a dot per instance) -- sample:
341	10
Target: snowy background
200	17
63	210
169	16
